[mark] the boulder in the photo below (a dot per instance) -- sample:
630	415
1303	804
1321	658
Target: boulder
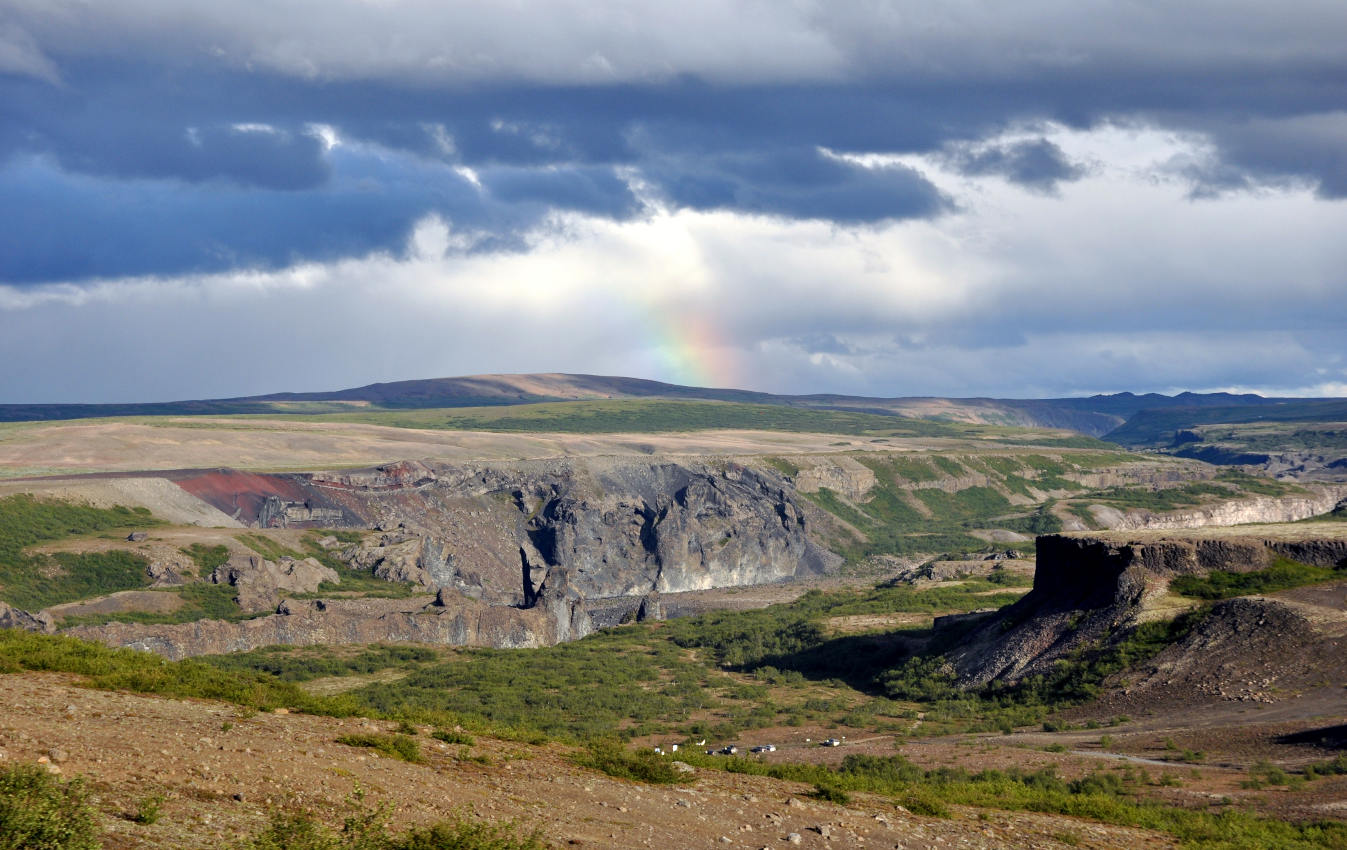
14	618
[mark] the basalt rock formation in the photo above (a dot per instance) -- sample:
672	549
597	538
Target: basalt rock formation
1091	587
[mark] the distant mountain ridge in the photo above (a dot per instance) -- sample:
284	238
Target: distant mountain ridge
1097	415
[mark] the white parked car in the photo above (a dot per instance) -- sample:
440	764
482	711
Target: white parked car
764	748
831	742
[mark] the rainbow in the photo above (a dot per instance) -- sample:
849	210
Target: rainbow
691	350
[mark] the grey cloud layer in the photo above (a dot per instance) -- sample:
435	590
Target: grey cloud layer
154	138
713	105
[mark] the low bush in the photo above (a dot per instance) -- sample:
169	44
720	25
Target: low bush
637	765
40	812
830	794
1282	574
396	745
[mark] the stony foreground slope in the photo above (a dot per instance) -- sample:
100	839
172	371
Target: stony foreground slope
222	774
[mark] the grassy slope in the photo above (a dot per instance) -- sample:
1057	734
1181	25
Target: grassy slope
33	582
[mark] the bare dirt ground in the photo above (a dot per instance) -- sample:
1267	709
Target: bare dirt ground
222	773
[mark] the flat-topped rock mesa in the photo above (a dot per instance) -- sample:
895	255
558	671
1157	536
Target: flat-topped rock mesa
1089	588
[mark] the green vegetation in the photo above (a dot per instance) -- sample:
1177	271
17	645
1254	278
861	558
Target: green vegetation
1166	499
1259	486
199	601
830	794
928	679
353	581
1282	574
783	466
613	759
34	582
1083	513
142	672
40	812
1157	427
1112	797
948	466
207	558
302	664
267	548
396	745
909	467
453	736
148	810
366	828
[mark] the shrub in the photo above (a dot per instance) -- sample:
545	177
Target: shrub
453	736
638	766
149	810
40	812
396	746
830	793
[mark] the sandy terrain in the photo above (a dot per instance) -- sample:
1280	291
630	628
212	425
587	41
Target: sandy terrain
200	442
165	499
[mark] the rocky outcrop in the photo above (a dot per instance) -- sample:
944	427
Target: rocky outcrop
410	555
451	619
841	474
1089	588
259	582
15	618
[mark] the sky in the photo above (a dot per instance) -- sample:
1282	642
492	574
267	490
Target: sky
964	198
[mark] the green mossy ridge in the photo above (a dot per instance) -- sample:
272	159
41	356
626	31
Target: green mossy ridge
142	672
1282	574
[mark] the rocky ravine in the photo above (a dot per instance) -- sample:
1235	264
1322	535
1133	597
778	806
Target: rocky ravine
519	555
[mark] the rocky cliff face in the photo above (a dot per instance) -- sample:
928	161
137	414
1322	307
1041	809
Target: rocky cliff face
611	527
1087	587
448	619
1260	509
520	554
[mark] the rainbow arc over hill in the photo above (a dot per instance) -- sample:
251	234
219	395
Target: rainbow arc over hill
693	351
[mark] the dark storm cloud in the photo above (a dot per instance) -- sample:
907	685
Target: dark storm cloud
798	184
1036	164
185	122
